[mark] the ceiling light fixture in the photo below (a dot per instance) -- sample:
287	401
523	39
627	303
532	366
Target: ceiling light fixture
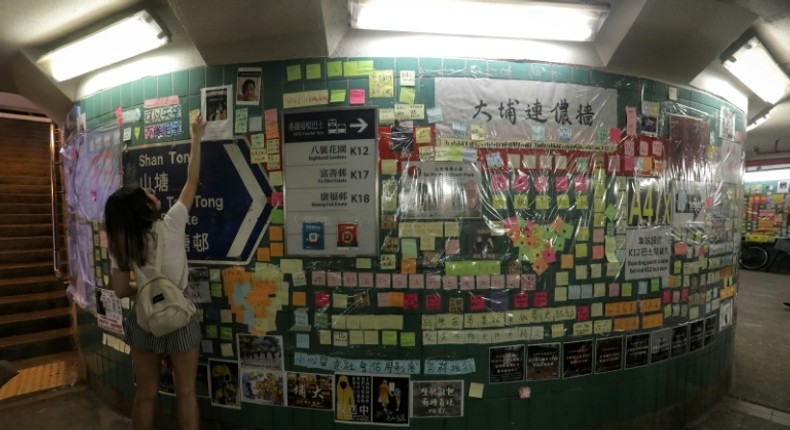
123	39
495	18
754	66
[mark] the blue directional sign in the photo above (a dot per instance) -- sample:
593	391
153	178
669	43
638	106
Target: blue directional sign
232	206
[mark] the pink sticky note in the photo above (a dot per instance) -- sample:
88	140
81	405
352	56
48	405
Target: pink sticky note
366	279
582	313
540	299
400	280
644	148
410	301
499	182
356	97
270	116
433	302
433	282
701	251
681	248
321	299
676	297
450	282
528	281
521	183
549	255
521	300
513	282
666	296
277	198
629	148
417	281
477	303
318	278
628	164
614	289
383	280
334	279
498	282
598	235
684	295
467	282
597	252
483	282
541	184
580	184
561	184
630	120
658	148
614	135
349	279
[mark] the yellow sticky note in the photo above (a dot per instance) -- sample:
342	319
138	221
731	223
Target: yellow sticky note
313	71
294	72
476	390
478	132
216	290
276	178
226	333
389	337
227	349
423	135
407	95
334	69
339	301
389	167
226	316
371	337
407	339
337	96
276	233
542	202
364	263
356	337
299	298
325	337
581	250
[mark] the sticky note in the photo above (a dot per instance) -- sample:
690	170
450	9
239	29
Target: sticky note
337	96
408	339
294	72
389	337
476	390
407	78
226	333
226	349
334	69
303	340
356	96
212	332
313	71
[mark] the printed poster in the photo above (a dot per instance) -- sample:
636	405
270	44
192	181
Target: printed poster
726	123
647	253
731	163
680	340
608	354
261	386
215	108
309	390
543	361
637	350
696	335
725	314
660	344
109	315
437	399
224	384
688	206
506	363
248	86
710	329
577	358
262	352
353	398
391	400
440	190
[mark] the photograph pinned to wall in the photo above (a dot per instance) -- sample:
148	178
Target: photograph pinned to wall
637	350
198	289
506	363
725	314
261	352
353	398
309	391
782	186
263	387
543	361
710	329
660	345
214	107
224	383
680	340
577	358
391	400
726	123
437	399
248	86
608	354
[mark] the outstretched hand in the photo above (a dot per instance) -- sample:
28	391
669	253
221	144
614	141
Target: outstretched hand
198	127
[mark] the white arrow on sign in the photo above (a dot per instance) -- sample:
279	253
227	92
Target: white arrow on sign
258	200
361	125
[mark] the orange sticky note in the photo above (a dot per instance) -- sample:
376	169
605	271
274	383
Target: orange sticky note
277	249
408	265
299	298
396	300
263	254
539	266
566	261
276	233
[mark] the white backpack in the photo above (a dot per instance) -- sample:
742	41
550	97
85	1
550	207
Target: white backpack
161	306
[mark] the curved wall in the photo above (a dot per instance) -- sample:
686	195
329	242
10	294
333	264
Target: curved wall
554	243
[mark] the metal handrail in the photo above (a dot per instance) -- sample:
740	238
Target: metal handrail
53	196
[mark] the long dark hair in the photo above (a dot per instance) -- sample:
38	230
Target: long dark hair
128	216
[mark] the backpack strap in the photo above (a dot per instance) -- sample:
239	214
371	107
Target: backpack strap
160	254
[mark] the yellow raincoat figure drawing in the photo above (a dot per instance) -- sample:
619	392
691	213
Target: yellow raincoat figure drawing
344	409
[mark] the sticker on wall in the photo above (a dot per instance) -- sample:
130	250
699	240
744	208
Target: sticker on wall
313	235
437	399
347	235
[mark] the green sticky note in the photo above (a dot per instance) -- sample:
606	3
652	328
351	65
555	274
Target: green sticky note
277	216
563	201
350	68
337	96
542	202
566	231
581	250
520	201
211	331
582	202
654	285
408	248
216	290
559	244
407	95
407	338
313	71
389	337
499	201
334	69
294	72
627	289
611	212
226	333
365	67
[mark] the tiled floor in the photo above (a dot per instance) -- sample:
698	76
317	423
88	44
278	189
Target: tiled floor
759	398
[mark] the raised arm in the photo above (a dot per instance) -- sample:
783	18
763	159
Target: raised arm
187	196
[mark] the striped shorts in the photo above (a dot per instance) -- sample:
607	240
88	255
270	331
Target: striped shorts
180	340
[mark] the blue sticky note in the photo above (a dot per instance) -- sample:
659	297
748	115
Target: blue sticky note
434	115
303	340
500	301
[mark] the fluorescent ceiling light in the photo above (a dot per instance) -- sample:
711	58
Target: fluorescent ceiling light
124	39
753	65
756	123
495	18
766	175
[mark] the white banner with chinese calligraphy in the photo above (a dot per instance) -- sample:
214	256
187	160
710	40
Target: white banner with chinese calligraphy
510	109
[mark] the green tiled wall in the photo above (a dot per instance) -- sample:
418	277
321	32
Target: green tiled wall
557	404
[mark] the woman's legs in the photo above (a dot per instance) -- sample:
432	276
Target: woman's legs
185	372
146	373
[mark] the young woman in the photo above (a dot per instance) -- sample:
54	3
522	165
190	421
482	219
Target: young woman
130	218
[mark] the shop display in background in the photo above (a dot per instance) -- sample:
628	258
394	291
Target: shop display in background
764	214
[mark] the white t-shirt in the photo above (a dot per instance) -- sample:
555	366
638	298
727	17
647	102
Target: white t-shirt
174	260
